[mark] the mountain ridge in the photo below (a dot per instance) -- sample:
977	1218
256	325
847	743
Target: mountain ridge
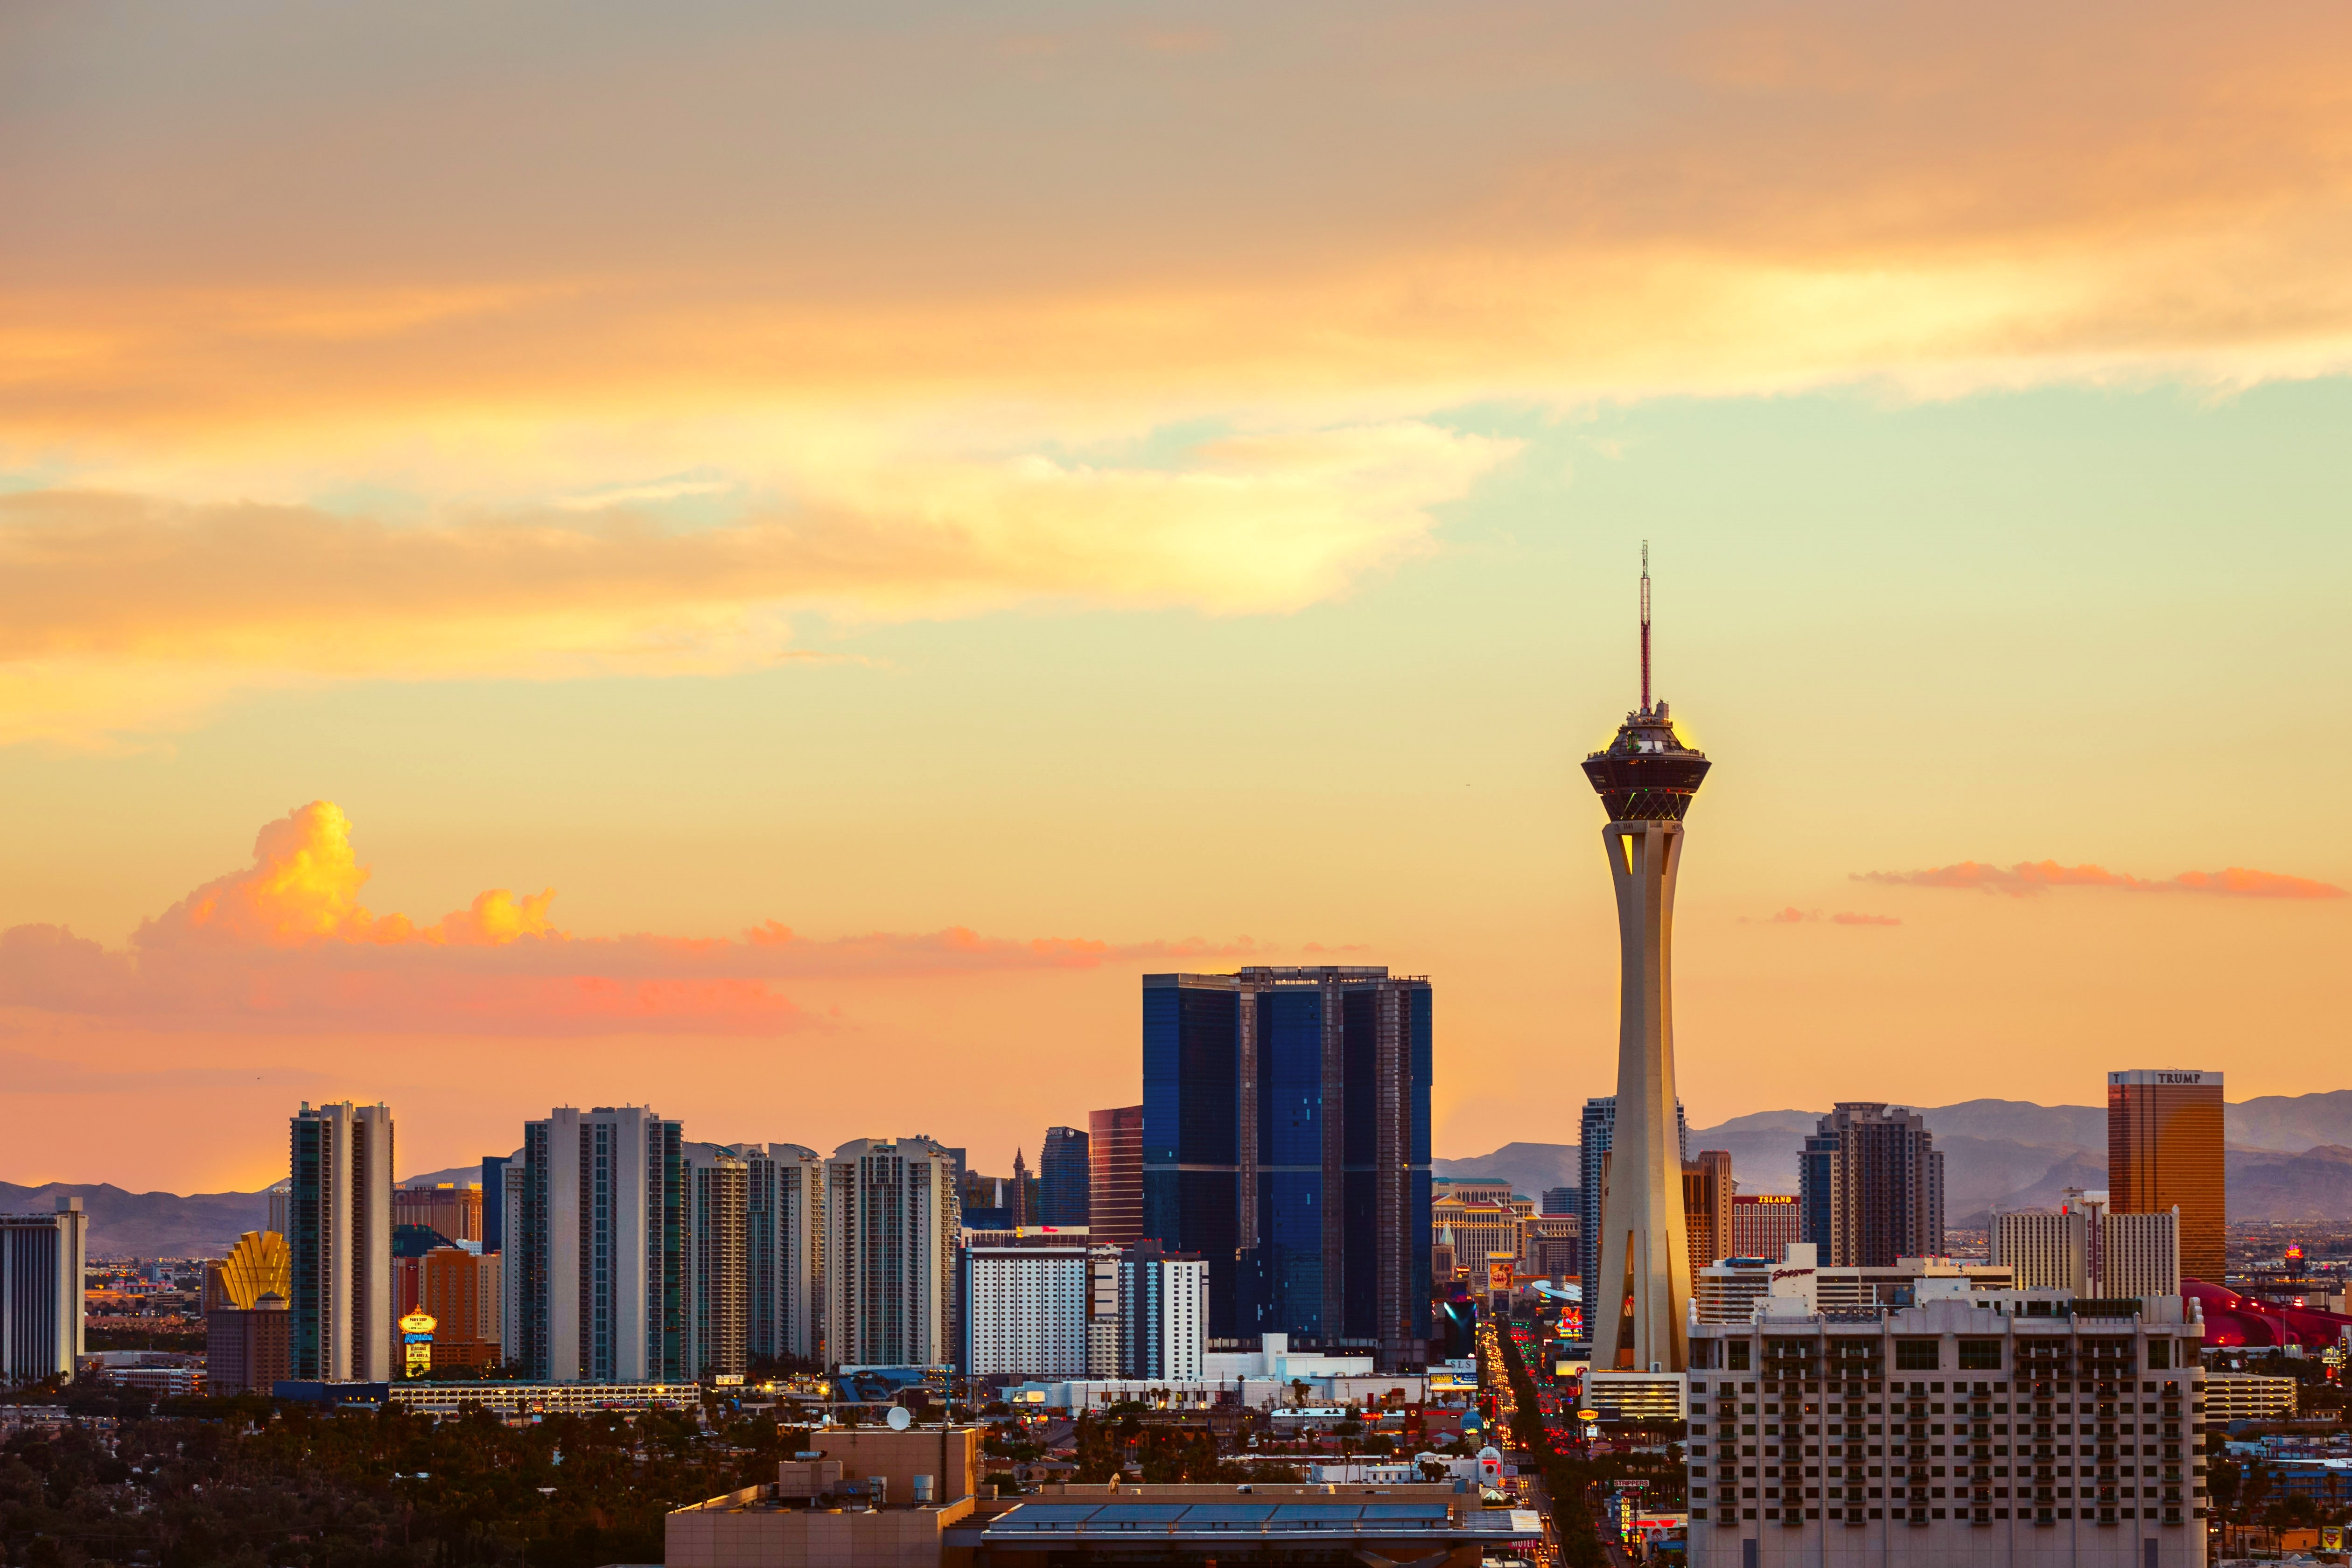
2288	1157
2014	1153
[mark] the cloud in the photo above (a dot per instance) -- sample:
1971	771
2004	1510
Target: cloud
2029	879
1385	201
1791	915
868	300
118	611
287	944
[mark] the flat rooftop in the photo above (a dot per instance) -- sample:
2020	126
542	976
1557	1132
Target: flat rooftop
1238	1515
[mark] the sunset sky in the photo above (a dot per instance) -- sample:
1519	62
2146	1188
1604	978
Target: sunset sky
770	559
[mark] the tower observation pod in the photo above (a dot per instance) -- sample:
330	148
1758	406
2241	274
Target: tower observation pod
1645	778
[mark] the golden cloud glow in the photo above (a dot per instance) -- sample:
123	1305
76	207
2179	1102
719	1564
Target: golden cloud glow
286	944
867	291
116	611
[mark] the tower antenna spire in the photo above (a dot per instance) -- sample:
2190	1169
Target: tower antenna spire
1645	625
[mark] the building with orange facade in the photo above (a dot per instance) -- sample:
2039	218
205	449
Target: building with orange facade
1707	1207
459	1290
2164	1151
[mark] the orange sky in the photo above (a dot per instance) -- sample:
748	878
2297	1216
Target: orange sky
907	519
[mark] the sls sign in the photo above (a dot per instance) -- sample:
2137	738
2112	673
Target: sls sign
416	1345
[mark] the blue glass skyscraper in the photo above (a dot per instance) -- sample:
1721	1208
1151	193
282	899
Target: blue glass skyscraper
1598	1131
1814	1161
1062	1178
1285	1139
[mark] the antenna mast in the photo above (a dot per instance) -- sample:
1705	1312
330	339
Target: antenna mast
1645	625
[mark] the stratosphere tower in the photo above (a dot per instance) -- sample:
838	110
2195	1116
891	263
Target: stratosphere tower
1646	778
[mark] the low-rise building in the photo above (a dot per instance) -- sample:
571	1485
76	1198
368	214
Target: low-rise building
1636	1396
520	1398
863	1497
760	1528
947	1456
249	1349
1077	1394
1431	1525
167	1374
2327	1482
1272	1357
2247	1396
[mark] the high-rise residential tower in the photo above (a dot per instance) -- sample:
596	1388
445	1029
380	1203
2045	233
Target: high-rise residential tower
1115	1175
1707	1206
717	1280
784	1250
42	1257
1646	779
891	1222
1286	1142
1062	1178
339	1238
601	1258
1884	1179
2164	1151
1598	1126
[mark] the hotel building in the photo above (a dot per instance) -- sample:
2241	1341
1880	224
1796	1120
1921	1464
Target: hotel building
2164	1151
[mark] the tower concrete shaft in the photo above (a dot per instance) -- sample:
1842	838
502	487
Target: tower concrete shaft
1646	779
1636	1308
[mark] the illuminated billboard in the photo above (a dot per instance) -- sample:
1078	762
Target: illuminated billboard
416	1345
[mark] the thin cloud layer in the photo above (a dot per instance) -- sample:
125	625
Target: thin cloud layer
2029	878
1791	915
117	610
287	944
724	206
853	286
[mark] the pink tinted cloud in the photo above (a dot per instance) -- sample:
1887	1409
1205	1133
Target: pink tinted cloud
1791	915
2029	879
286	943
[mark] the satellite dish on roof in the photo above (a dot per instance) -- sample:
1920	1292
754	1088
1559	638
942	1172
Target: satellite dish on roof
899	1418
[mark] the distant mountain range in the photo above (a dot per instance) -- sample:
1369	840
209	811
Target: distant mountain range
166	1225
148	1225
1528	1167
2287	1157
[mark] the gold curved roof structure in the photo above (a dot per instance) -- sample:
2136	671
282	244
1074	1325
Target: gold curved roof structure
259	1263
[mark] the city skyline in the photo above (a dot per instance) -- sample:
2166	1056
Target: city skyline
900	557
